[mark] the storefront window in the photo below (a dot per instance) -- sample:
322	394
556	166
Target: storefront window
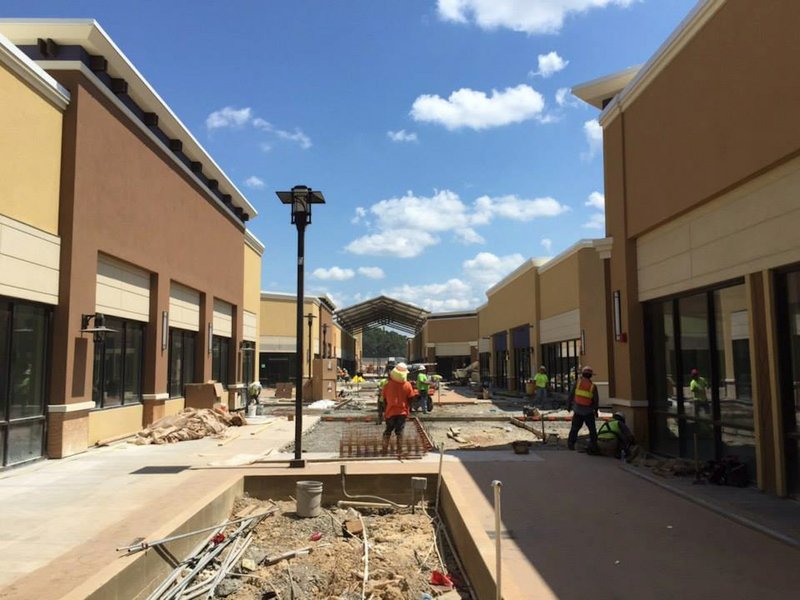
790	376
118	362
561	361
220	357
23	369
699	384
181	360
249	361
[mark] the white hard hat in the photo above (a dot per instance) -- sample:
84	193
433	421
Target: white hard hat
422	367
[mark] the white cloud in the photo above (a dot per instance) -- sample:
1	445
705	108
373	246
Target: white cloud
549	64
297	136
476	110
565	98
528	16
333	274
596	221
469	236
371	272
517	209
596	200
239	117
361	212
228	117
594	137
254	183
547	243
402	243
402	136
487	269
454	294
407	225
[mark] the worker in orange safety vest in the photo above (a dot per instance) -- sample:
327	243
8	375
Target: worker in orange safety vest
584	399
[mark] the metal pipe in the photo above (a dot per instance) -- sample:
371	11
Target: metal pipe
343	472
497	484
357	503
439	477
144	545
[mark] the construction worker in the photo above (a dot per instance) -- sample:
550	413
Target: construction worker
423	387
541	382
381	404
584	399
699	386
615	439
398	394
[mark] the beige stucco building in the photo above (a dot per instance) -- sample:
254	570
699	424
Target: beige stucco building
702	188
551	313
121	304
448	339
30	246
278	336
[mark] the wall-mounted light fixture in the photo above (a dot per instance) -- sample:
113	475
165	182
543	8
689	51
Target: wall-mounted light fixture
618	335
99	329
246	346
210	336
164	329
583	342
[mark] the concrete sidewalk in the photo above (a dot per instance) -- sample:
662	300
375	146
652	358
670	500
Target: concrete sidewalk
573	525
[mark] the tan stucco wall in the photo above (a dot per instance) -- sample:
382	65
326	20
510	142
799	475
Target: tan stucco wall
278	317
558	287
173	406
105	424
512	305
593	298
30	170
458	329
744	231
252	280
724	109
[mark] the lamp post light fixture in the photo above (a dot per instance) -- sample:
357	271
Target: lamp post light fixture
300	197
310	316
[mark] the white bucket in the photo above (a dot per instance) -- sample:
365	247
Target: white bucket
252	410
309	498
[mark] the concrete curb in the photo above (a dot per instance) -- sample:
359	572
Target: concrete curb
737	518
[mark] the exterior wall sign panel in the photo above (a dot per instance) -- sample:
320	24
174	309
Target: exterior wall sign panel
184	307
29	262
566	326
452	349
726	238
223	319
122	290
277	343
249	326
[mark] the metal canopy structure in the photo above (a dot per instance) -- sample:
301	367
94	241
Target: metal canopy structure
382	311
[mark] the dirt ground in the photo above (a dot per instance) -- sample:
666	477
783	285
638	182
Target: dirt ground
402	551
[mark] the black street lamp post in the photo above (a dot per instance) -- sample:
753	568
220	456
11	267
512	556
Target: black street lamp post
301	198
310	316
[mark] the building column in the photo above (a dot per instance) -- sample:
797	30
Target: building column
770	465
202	357
511	363
156	352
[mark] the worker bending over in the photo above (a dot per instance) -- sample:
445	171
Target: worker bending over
614	438
397	396
584	399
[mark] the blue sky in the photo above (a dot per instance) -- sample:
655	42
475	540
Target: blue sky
435	128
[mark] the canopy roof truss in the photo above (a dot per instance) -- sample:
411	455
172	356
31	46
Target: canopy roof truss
382	311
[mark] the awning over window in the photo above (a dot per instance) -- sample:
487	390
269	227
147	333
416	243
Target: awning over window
382	311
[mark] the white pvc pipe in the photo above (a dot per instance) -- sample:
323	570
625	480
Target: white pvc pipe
497	484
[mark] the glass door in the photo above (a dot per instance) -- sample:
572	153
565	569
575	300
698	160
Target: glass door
23	363
789	321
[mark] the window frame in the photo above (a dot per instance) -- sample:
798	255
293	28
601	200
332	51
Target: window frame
122	326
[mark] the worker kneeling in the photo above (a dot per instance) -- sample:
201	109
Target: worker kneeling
614	438
398	395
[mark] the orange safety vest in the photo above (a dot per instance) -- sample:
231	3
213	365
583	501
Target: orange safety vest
584	392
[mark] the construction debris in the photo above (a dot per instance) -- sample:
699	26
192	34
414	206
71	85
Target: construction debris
397	561
454	434
189	424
